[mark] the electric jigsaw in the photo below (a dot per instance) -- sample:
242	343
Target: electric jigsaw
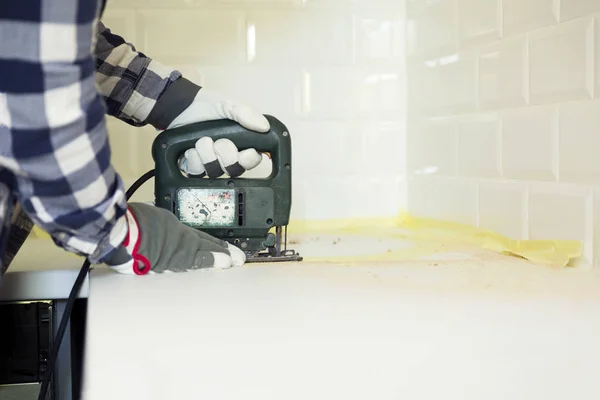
241	211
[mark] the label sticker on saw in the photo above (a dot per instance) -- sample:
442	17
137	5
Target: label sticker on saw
206	207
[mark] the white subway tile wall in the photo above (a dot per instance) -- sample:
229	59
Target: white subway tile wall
503	125
332	70
483	112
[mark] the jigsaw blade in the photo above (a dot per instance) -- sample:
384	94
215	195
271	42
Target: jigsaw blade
271	256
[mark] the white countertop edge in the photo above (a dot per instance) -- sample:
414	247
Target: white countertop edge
40	285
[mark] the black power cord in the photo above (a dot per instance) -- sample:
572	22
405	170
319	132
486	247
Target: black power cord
85	268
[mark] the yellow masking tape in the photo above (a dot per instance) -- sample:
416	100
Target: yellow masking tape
556	252
425	234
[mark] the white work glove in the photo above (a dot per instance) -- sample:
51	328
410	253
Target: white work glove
213	159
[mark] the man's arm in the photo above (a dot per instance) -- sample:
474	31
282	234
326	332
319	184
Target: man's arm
52	126
137	89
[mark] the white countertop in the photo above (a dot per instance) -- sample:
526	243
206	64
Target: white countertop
492	328
482	326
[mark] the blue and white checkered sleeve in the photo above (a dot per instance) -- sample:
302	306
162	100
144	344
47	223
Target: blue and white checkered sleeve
53	135
136	88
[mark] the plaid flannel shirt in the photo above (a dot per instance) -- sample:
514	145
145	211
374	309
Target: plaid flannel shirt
61	72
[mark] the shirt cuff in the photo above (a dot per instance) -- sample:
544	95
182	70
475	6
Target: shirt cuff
174	100
110	244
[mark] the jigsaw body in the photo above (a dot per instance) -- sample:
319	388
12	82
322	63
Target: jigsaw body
250	213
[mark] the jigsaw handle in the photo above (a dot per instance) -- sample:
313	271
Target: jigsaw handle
171	144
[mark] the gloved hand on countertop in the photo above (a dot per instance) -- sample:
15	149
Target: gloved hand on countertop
157	242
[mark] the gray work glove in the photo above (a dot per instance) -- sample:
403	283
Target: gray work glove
158	242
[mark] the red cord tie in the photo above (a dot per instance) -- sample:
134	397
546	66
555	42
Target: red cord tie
141	265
